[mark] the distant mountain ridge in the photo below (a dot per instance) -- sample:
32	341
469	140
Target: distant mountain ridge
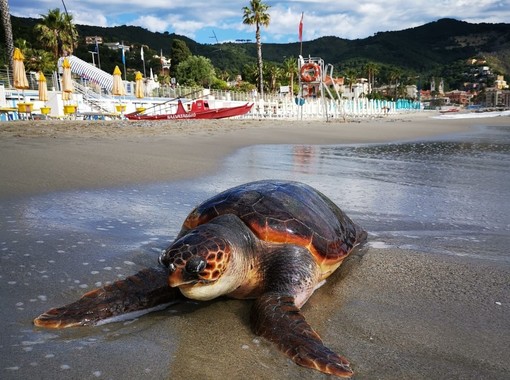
421	49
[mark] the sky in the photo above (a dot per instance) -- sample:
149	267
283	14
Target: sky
211	21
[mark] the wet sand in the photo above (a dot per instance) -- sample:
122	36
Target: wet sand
46	156
394	313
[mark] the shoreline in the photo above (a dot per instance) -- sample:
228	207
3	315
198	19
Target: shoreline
47	156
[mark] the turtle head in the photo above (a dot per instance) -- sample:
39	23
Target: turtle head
210	260
197	260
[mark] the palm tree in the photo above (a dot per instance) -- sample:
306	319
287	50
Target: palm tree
394	75
6	21
256	14
372	69
274	72
290	68
351	75
57	32
35	59
250	73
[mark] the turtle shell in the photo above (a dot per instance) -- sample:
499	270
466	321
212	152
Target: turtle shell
286	212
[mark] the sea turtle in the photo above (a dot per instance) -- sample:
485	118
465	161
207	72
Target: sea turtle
271	241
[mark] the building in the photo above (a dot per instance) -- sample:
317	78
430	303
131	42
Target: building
412	91
91	40
336	84
462	98
116	46
495	97
500	83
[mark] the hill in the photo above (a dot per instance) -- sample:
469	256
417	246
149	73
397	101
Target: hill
427	49
420	49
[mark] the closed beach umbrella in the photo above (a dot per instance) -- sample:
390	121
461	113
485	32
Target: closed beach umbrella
139	88
43	88
67	82
20	77
118	87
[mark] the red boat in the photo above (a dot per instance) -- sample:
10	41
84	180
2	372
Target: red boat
449	110
199	110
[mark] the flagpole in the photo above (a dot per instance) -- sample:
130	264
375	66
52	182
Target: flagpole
143	59
301	34
124	60
97	51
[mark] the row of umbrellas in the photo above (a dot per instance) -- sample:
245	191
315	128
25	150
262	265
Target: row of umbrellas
21	81
118	88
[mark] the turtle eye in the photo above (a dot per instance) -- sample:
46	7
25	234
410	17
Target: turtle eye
161	258
195	264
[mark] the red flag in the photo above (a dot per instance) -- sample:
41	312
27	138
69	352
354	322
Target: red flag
301	28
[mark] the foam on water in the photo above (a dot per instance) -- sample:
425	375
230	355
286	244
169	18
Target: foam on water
133	315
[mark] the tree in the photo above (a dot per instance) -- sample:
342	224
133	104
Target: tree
372	69
6	21
274	73
196	71
351	76
179	53
35	59
250	73
394	75
256	14
291	69
57	32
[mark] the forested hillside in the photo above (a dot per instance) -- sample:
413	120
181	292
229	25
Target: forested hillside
430	49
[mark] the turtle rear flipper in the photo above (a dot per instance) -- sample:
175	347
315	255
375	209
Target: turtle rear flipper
279	320
138	294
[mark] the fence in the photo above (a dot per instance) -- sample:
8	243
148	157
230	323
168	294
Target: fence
270	106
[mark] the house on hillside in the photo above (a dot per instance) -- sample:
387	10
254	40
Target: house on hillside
116	46
500	83
462	98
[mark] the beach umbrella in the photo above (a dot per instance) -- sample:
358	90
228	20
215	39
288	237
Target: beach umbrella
20	77
43	88
67	82
139	88
118	86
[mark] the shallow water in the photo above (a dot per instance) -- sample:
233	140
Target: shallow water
448	196
444	196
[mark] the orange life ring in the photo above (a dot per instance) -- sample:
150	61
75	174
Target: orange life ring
306	72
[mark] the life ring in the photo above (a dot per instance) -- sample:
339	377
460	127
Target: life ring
306	72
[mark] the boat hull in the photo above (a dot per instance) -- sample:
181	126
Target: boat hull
181	114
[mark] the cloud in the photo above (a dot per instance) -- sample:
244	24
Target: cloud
88	18
152	23
196	18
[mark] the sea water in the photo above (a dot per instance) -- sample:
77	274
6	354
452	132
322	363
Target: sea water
447	195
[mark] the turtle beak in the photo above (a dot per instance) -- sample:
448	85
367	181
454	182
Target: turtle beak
179	276
176	278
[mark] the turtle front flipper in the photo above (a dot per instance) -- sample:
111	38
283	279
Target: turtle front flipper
139	293
277	318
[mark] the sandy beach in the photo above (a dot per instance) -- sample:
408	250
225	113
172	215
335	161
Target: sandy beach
45	156
393	312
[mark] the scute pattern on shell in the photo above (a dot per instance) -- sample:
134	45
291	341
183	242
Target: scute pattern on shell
284	212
